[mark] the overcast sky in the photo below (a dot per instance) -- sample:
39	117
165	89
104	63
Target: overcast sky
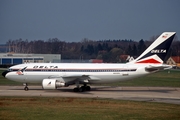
73	20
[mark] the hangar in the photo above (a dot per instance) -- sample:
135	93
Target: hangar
14	58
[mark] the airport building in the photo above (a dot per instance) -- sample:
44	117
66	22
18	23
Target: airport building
14	58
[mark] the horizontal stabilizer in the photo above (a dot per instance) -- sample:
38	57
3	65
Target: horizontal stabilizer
152	68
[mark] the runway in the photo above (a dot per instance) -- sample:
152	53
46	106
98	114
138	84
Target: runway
152	94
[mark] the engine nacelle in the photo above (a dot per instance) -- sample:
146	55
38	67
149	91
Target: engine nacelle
52	83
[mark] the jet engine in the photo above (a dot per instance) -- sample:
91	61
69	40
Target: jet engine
52	83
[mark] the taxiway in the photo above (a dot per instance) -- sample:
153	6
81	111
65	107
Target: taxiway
153	94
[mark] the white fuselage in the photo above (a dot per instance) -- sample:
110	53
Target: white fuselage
99	73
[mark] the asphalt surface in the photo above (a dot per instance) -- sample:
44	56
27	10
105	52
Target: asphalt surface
151	94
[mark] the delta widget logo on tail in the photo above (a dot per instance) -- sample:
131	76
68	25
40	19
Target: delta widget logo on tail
165	36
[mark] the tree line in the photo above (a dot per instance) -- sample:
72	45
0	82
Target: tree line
107	50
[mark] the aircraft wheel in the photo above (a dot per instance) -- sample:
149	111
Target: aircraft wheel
81	89
88	88
76	89
26	88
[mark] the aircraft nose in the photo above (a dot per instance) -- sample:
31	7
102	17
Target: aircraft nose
4	73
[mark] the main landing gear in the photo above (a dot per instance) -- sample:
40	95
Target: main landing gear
26	87
82	88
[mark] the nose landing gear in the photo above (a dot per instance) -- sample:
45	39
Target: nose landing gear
26	87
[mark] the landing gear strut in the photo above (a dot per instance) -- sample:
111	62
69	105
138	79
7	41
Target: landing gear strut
26	87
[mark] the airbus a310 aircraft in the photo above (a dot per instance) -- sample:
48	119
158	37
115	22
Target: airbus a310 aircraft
55	75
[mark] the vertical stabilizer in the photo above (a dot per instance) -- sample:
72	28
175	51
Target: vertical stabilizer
158	50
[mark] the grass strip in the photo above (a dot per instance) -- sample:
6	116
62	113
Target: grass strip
41	108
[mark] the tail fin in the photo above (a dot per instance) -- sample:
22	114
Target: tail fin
157	51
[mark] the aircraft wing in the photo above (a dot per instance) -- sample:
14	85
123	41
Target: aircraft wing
77	77
82	77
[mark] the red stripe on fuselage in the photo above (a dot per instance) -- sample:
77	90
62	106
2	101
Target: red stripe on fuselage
149	61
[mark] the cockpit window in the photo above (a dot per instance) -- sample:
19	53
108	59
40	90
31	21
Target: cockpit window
10	69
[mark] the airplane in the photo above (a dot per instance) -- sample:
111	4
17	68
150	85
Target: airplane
56	75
